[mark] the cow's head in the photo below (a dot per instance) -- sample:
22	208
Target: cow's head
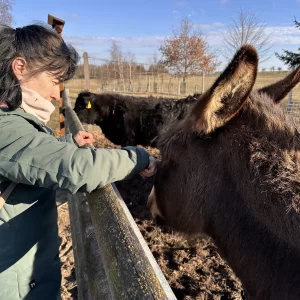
82	101
213	155
84	107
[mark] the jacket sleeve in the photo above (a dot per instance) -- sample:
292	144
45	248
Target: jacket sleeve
67	138
32	157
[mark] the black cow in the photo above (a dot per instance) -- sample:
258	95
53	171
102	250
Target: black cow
128	120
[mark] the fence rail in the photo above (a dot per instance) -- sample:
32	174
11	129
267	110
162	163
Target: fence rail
105	76
112	258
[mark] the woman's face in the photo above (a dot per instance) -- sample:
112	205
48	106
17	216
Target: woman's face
45	84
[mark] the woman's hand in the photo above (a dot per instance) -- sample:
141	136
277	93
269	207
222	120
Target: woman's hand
83	138
151	169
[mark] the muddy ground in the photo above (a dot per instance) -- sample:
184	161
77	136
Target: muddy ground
192	265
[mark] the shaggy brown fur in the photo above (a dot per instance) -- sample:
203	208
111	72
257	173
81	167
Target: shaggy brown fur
231	170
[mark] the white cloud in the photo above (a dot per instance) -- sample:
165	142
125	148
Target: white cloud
194	12
127	42
209	26
180	3
282	37
175	12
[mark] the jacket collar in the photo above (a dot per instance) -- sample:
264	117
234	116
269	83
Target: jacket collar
33	120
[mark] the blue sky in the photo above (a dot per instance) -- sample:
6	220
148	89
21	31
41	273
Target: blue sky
140	26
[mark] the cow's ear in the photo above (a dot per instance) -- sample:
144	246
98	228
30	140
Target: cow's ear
278	90
229	92
87	100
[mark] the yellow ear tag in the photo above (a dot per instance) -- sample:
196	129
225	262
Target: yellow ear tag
89	105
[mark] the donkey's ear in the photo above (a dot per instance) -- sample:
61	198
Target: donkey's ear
228	94
278	90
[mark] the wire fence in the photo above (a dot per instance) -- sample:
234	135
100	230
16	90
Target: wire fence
130	77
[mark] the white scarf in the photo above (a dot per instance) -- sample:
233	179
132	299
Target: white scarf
36	105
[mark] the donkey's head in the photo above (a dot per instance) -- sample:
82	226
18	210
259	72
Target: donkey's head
234	147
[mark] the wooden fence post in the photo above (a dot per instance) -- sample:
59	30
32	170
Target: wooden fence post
149	85
290	97
86	71
58	25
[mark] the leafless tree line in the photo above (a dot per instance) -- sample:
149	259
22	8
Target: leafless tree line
5	12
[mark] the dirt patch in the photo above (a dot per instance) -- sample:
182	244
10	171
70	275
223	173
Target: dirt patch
192	265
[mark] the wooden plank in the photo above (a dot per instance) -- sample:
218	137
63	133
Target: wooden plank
90	275
130	268
58	25
86	71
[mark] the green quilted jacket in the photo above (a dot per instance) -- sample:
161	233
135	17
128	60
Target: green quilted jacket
41	164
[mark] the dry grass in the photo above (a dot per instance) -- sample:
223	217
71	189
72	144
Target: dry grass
165	85
170	87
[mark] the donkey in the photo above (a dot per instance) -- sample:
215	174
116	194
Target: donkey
231	170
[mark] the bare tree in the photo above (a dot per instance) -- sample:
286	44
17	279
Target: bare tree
155	66
187	52
247	29
118	61
5	12
130	63
153	61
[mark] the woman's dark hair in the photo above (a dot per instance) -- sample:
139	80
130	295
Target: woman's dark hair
42	49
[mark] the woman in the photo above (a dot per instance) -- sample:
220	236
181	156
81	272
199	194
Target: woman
33	164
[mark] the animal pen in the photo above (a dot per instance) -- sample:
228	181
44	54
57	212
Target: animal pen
102	269
112	259
131	78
